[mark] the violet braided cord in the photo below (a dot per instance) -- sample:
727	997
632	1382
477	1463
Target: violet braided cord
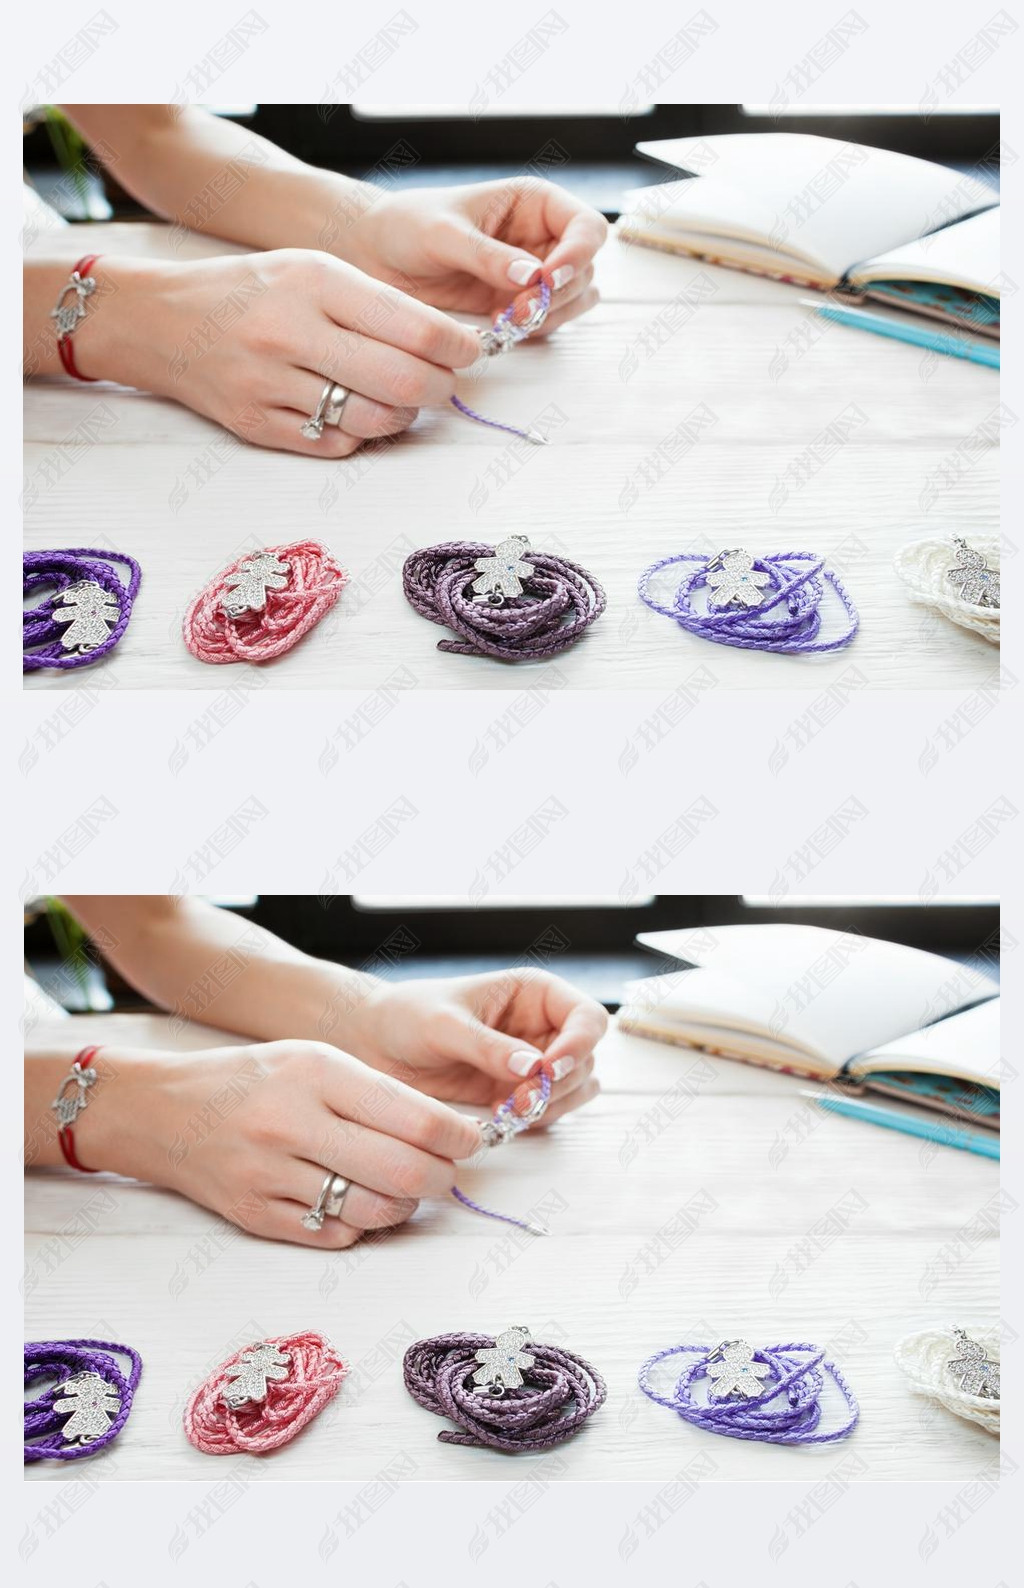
753	1417
801	590
63	1359
507	1118
41	635
565	599
509	327
560	1393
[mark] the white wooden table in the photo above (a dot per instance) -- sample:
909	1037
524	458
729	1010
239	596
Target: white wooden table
741	423
689	1202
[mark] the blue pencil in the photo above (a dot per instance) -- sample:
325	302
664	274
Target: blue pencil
901	331
931	1129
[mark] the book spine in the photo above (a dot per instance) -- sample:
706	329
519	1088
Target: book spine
629	235
637	1028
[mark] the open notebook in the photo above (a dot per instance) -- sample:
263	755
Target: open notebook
832	1006
829	215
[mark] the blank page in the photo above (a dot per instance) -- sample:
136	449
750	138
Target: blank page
965	254
836	993
838	203
966	1045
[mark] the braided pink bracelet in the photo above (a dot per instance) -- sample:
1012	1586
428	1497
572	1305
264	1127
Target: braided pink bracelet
263	604
264	1395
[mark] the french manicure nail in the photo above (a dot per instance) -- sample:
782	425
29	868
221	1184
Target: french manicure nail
523	1062
561	1068
522	271
562	276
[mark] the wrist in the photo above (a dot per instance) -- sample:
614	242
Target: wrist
350	1015
115	341
119	1128
345	228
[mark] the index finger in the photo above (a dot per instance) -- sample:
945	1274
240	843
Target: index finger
383	313
387	1105
580	230
582	1022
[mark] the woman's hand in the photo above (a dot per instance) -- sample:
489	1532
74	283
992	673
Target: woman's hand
251	1132
472	1039
473	248
249	340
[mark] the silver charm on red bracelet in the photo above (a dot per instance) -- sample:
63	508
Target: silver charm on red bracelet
67	315
68	1105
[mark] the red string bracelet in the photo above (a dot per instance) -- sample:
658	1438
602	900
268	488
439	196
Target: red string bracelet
264	1395
264	603
68	315
72	1097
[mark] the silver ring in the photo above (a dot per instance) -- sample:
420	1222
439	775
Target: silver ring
339	1190
313	427
314	1219
339	396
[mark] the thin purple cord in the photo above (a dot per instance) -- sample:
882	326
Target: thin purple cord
508	333
509	1124
42	635
513	430
799	1379
800	589
64	1360
560	1392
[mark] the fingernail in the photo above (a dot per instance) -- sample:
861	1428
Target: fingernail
561	1068
562	276
522	1063
522	271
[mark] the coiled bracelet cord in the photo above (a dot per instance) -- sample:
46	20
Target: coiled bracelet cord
564	600
87	611
559	1393
263	603
88	1405
264	1395
795	581
794	1374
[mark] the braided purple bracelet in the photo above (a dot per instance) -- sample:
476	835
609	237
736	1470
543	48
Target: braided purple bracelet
523	1108
517	1401
89	1404
87	613
744	590
744	1383
499	604
524	315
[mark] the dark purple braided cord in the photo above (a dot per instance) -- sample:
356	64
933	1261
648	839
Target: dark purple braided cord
562	601
57	570
793	632
798	1380
63	1359
560	1393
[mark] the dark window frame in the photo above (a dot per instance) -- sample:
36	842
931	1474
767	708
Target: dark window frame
340	929
335	137
312	133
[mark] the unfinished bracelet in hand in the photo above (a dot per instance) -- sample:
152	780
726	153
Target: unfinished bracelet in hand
521	1109
524	315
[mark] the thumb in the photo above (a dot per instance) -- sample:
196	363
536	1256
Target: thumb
464	247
